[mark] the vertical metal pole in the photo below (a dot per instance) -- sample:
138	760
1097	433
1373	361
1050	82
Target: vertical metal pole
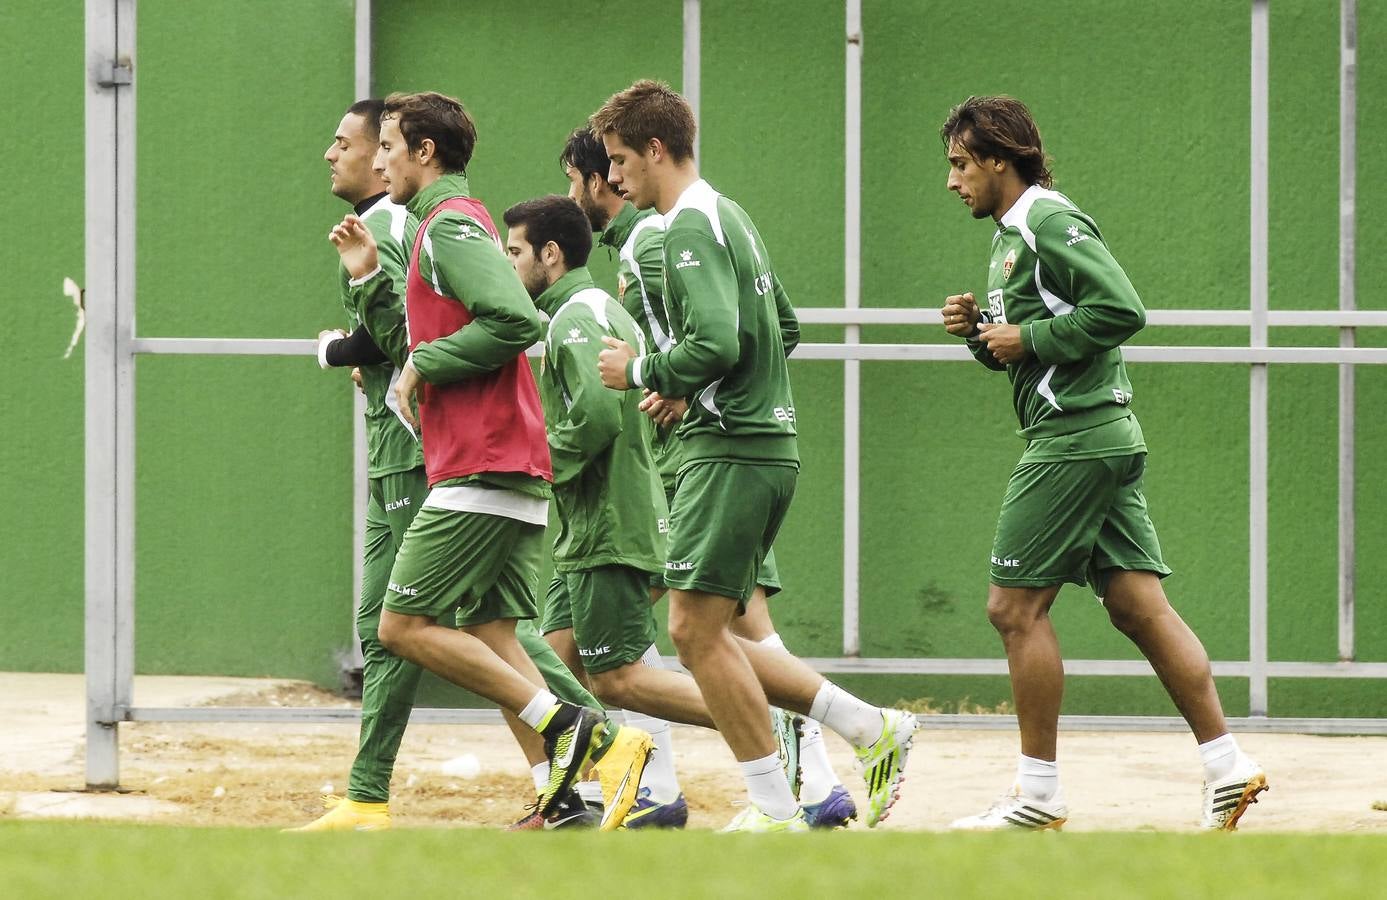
362	90
109	381
852	296
1348	183
1257	413
364	75
693	69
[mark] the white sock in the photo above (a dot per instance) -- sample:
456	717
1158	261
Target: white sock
540	773
590	791
859	723
767	787
537	708
816	770
1219	756
659	775
1038	779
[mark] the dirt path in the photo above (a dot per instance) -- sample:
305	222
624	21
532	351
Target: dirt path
272	775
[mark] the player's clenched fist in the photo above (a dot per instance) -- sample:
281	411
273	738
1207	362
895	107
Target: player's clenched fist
356	245
405	386
611	363
961	315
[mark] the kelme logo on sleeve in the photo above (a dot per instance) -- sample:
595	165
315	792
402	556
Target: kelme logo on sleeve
575	336
686	260
1074	236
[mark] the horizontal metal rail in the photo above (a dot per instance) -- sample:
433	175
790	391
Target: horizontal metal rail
1198	318
320	715
1194	318
873	352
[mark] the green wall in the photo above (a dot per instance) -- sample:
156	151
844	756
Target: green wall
244	465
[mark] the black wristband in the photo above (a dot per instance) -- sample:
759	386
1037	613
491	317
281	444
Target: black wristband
358	349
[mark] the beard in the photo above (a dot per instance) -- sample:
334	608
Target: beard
597	216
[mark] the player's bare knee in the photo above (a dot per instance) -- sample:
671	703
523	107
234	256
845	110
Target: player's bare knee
394	633
1016	611
613	686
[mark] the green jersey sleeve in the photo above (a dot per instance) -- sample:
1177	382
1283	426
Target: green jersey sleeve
789	322
382	306
696	265
1107	310
591	419
466	264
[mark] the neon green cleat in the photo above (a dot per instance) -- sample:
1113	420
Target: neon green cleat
344	814
752	821
788	728
883	763
569	743
619	770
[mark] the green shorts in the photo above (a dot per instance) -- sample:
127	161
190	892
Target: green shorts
608	609
393	501
1075	521
723	520
768	576
484	567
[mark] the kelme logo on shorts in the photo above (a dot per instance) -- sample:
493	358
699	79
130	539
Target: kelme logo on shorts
1008	563
397	504
594	651
404	591
685	566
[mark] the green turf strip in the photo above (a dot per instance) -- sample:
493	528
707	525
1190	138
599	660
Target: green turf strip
77	860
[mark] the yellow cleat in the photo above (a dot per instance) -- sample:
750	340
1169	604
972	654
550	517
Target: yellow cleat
619	770
752	821
344	814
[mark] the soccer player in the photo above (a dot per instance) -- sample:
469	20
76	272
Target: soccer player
730	318
474	546
397	488
638	237
1058	308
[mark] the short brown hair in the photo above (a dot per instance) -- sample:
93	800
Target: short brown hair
645	110
438	118
999	128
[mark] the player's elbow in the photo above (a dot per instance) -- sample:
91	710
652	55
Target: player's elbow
722	356
1133	318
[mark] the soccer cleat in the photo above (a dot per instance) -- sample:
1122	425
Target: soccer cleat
344	814
1227	799
619	770
789	729
752	821
883	763
646	813
1014	812
569	749
571	812
834	811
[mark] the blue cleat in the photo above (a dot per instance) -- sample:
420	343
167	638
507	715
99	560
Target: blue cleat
646	813
834	811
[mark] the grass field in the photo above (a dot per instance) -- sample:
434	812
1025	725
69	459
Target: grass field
78	860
